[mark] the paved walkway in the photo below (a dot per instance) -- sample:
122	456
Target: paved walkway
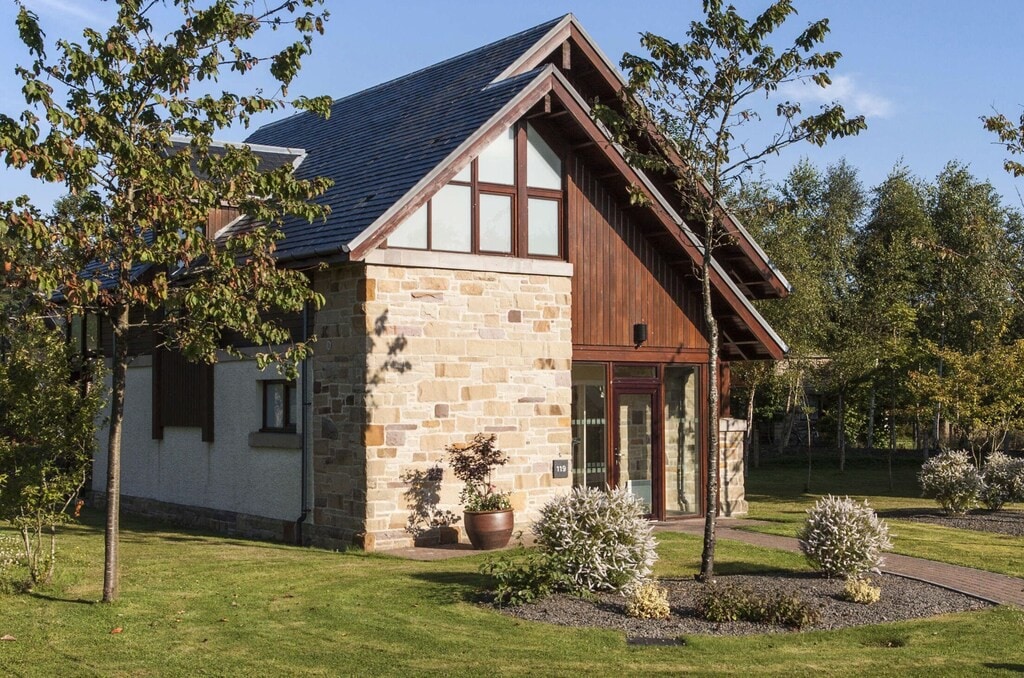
995	588
989	586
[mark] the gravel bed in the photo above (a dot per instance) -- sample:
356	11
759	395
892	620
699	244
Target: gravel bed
1006	521
901	599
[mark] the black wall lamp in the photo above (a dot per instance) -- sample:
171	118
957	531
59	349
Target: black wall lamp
639	333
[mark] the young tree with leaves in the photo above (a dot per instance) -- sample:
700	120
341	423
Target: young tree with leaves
44	460
693	99
103	117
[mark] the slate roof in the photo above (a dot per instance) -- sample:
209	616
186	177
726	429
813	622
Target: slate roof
378	143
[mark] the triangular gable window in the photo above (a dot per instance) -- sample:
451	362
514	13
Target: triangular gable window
507	201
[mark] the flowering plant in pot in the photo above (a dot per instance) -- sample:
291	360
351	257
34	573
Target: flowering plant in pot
488	517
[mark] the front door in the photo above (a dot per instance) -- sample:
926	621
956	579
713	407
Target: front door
637	450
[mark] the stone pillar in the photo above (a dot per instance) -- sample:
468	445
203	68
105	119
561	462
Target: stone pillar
732	497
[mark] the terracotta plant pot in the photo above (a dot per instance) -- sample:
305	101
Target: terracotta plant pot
489	529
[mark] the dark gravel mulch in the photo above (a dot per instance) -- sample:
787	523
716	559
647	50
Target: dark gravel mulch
901	599
1006	521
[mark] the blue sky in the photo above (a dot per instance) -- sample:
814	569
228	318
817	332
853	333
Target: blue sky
922	71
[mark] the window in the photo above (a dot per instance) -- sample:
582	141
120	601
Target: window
507	201
542	238
84	335
279	406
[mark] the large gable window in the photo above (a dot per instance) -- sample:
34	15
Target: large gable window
507	201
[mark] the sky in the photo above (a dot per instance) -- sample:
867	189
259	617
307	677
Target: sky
923	72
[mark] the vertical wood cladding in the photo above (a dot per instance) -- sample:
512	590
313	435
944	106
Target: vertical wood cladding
621	277
182	393
219	218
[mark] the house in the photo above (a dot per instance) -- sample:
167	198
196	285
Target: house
484	271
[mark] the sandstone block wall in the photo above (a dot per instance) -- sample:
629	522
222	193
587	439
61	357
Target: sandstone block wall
337	418
410	360
732	495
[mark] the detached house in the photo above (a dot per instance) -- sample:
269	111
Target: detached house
484	271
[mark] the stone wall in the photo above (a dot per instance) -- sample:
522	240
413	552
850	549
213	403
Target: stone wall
337	419
732	495
230	523
457	352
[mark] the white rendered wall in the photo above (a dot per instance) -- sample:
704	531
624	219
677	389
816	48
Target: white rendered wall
226	474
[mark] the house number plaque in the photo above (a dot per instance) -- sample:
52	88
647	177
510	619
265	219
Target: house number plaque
560	468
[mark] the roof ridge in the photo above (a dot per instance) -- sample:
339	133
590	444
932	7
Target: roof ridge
420	71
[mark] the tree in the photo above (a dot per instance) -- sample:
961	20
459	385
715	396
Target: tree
43	461
808	231
134	248
692	99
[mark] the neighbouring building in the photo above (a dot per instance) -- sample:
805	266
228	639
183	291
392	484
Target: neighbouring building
484	271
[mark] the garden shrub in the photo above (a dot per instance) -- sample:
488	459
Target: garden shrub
1003	480
521	576
648	601
951	479
861	590
729	602
602	539
843	538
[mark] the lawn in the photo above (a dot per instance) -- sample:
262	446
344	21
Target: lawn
194	604
776	494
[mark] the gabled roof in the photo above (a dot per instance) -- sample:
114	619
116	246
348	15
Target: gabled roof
391	146
377	144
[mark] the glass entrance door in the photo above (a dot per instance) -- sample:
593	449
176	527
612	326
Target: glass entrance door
636	449
682	441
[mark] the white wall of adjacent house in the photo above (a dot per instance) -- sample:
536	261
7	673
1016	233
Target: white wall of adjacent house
228	474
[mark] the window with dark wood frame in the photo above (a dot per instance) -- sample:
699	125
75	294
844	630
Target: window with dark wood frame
279	406
486	209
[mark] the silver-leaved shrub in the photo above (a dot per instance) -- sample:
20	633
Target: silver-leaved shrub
602	540
1003	478
951	479
841	537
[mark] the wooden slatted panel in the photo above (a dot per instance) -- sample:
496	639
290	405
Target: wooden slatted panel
183	393
219	218
621	277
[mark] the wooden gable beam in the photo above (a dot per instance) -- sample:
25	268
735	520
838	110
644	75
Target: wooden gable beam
612	155
614	81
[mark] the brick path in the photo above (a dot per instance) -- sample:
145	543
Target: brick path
989	586
995	588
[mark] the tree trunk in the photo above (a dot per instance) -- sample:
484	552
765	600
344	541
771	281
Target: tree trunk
707	558
111	567
841	433
787	421
892	444
871	421
807	422
748	436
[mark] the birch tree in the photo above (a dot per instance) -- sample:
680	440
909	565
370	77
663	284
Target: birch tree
693	99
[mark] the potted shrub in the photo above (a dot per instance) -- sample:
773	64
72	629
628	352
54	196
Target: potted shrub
488	517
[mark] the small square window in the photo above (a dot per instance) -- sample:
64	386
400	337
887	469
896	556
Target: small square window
279	406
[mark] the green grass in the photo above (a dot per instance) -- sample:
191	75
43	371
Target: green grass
776	494
194	604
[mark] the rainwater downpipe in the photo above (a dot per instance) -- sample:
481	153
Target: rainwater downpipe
306	434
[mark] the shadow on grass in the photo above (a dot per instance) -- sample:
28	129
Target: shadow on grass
135	530
57	599
1013	668
447	588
